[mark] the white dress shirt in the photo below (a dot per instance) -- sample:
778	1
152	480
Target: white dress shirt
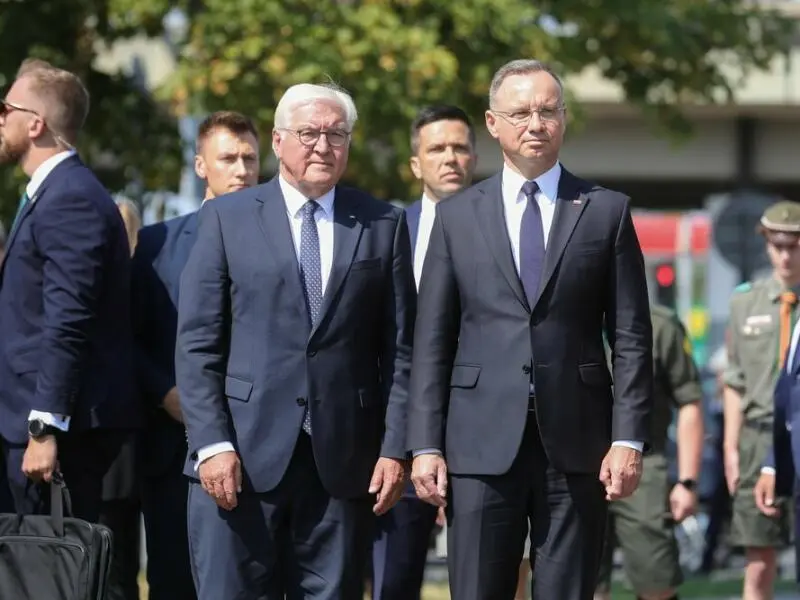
514	202
39	175
424	228
295	200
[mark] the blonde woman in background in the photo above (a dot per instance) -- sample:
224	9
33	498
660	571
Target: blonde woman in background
121	507
132	218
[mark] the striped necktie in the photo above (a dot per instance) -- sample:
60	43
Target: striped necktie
23	202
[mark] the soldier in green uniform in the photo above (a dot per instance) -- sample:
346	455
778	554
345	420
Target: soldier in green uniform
643	525
761	316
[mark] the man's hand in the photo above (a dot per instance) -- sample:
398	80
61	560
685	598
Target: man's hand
620	472
764	493
441	518
731	468
40	459
682	503
172	404
429	476
221	478
387	482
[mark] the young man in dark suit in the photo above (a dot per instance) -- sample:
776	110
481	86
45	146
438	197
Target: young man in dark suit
443	160
66	384
227	160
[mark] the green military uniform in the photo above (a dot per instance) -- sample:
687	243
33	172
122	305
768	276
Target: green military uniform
754	356
642	524
752	371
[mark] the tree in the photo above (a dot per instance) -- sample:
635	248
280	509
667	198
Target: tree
396	55
128	139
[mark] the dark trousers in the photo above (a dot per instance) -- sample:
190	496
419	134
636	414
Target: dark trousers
84	458
488	520
164	498
400	549
122	517
293	542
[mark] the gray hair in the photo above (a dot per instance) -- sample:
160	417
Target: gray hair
522	66
306	93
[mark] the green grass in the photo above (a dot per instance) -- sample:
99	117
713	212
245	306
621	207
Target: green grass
695	588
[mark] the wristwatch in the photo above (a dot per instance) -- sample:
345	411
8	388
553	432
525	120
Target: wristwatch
38	429
689	484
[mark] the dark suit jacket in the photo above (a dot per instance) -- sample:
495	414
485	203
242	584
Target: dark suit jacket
161	254
66	343
413	214
477	336
785	451
247	362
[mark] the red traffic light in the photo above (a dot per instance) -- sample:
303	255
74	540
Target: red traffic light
665	275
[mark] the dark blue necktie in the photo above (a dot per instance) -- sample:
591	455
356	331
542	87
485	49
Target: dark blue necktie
311	274
531	244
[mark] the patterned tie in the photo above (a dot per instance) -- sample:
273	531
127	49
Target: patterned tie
23	202
531	244
788	300
311	274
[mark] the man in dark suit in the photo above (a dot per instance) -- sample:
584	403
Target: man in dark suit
443	159
523	272
294	343
66	385
227	160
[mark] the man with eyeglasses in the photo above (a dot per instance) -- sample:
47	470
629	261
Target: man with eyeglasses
511	417
66	385
295	321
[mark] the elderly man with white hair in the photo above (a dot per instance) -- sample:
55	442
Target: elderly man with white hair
293	353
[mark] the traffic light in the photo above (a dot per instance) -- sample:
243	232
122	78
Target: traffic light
665	284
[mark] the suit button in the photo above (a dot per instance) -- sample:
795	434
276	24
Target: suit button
301	401
526	369
312	353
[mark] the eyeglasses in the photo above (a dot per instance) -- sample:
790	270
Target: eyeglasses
8	107
309	137
548	114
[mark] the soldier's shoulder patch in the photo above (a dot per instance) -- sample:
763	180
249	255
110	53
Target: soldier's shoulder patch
743	287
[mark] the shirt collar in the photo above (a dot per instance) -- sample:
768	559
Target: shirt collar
547	182
428	206
43	170
295	199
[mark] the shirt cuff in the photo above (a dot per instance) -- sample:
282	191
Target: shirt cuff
58	421
768	471
638	446
416	453
212	450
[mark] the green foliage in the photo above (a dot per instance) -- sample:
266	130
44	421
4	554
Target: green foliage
128	138
398	55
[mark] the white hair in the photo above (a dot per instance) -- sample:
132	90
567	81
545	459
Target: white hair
307	93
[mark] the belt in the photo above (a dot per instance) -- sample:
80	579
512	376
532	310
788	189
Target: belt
760	426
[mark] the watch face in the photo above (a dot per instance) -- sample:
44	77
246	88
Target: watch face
35	428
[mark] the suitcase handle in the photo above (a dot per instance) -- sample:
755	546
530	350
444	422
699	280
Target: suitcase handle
59	500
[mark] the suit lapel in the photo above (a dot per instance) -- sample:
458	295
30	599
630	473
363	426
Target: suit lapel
347	227
489	212
570	204
413	215
274	222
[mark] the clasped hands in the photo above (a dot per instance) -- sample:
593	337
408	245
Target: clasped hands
620	473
